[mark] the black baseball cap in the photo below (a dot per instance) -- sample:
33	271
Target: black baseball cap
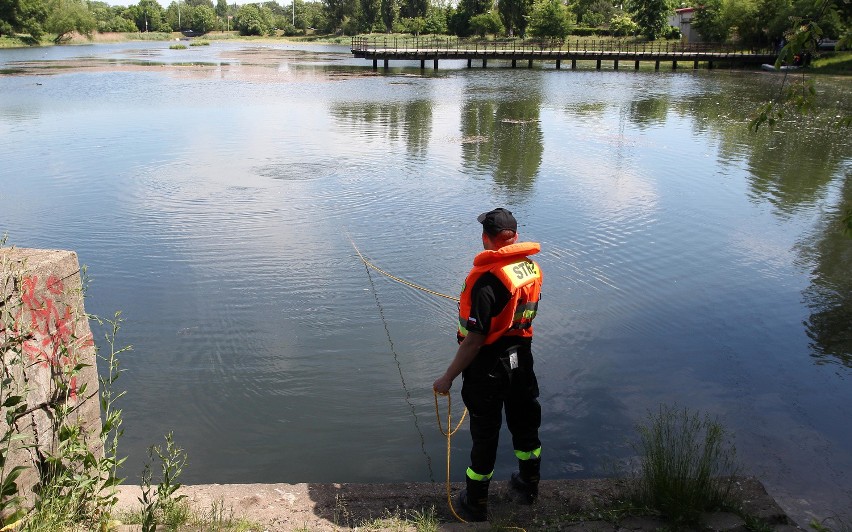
497	220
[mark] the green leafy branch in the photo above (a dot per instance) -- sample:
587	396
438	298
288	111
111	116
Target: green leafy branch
798	97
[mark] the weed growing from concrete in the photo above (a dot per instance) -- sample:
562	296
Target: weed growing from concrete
425	520
219	518
687	465
830	524
163	506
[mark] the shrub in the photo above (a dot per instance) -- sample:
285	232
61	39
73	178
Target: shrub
686	465
621	24
486	23
584	31
550	18
673	33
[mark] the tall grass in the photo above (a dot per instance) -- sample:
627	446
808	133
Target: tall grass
687	465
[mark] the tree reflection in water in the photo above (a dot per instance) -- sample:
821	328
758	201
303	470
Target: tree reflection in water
803	162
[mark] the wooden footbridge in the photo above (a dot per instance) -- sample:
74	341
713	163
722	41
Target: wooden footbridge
388	49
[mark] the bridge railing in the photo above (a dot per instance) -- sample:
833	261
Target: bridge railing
611	45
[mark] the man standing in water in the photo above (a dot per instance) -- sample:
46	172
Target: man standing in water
499	300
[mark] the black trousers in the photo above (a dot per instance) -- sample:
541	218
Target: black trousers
489	386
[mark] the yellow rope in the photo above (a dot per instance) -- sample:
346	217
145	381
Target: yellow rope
449	434
395	278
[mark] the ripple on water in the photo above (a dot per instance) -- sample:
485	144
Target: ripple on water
296	171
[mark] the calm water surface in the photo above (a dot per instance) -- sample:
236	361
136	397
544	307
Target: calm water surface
210	192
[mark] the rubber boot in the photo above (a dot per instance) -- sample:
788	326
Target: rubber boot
525	481
473	501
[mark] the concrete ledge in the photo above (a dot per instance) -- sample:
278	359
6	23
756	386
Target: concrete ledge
322	507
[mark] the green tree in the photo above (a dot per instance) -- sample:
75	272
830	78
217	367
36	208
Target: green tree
23	16
651	16
622	25
486	23
739	17
222	8
67	17
459	21
389	13
709	23
599	13
551	18
514	14
274	8
315	16
475	7
413	8
414	25
337	12
109	18
252	19
371	13
148	15
436	21
593	12
203	19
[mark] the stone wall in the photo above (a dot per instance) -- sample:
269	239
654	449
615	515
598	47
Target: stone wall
44	336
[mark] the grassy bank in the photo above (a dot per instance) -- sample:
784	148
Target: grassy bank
834	63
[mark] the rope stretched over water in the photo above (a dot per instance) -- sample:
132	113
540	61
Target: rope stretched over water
398	367
395	278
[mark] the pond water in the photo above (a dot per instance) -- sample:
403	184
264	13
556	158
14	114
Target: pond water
212	193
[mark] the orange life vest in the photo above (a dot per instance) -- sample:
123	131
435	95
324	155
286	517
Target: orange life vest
520	275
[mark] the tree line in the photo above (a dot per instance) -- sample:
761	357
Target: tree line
747	22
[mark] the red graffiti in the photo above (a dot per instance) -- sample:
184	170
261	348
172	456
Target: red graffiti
52	341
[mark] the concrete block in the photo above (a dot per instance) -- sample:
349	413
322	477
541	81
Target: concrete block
41	304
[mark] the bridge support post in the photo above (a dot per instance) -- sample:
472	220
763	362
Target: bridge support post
573	64
484	62
709	65
674	65
558	64
435	64
386	64
598	65
529	64
695	65
514	63
657	64
375	64
636	65
422	64
615	64
468	63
